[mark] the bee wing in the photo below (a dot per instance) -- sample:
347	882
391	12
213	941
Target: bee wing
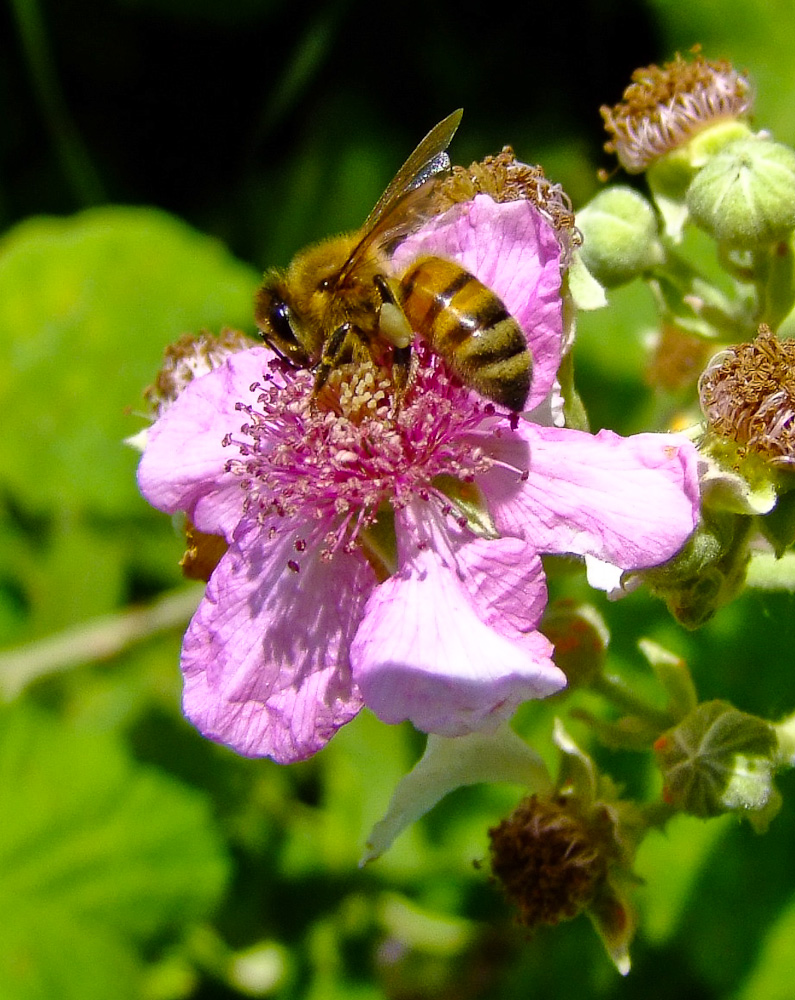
408	199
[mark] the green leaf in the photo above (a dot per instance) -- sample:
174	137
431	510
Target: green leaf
56	957
97	853
87	305
669	862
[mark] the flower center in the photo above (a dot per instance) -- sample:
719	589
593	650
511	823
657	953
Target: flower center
340	459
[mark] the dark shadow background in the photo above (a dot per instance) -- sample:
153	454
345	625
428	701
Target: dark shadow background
248	117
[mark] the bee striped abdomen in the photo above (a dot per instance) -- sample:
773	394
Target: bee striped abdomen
465	323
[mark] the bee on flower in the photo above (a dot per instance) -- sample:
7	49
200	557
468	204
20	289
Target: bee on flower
387	555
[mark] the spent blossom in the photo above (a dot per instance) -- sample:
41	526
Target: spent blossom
748	396
666	106
390	556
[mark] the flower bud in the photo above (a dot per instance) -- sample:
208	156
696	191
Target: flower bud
580	637
619	230
718	760
708	572
744	196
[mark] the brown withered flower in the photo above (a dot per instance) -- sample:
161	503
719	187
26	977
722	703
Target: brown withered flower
570	851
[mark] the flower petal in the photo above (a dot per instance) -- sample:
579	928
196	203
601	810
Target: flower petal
513	250
632	502
266	657
444	642
182	468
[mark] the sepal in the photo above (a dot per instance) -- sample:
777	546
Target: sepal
448	764
719	760
708	573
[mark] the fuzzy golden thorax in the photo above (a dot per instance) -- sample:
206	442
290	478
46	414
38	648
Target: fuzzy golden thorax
321	303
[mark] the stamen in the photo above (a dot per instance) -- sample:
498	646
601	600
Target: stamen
340	463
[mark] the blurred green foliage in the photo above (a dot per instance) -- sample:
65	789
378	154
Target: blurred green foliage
137	860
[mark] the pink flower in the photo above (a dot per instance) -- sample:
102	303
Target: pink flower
394	561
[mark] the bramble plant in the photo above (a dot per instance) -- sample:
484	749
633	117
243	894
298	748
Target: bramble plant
380	547
471	530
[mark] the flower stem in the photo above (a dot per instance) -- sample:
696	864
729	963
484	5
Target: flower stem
616	691
99	639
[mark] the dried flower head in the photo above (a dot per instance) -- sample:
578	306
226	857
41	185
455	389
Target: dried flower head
203	552
549	860
665	107
570	851
748	396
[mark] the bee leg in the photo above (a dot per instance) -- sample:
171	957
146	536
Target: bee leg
331	355
396	329
401	370
392	323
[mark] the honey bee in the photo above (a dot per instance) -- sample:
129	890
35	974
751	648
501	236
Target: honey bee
340	302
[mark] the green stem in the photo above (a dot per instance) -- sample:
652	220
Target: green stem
99	639
615	691
76	164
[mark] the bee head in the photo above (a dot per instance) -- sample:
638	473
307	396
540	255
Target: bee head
278	324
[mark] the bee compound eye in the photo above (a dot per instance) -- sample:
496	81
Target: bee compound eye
281	322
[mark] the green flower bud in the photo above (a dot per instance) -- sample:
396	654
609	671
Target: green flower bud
619	230
718	760
670	176
744	196
580	637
